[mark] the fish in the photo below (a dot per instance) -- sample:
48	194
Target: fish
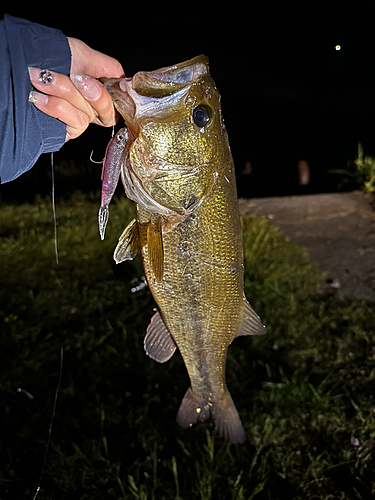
179	171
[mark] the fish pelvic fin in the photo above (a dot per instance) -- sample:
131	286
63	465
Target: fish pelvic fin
227	422
155	248
128	243
251	322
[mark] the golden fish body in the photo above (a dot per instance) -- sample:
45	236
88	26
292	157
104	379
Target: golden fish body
179	171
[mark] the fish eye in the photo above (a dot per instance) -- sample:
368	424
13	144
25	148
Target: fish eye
201	115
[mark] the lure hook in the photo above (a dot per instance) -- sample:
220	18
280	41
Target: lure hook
93	161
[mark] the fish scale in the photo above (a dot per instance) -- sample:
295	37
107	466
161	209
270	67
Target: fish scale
179	171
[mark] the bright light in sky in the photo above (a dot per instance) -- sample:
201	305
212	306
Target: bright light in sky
338	47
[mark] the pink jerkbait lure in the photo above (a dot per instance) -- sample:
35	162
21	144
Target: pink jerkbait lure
114	158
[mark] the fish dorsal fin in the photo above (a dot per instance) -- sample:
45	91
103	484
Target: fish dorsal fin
128	243
251	323
155	248
158	343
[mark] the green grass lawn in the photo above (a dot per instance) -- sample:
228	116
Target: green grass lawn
305	391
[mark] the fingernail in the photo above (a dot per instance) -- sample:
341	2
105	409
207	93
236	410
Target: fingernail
38	98
41	76
87	86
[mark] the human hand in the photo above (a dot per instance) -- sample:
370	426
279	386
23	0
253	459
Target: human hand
81	99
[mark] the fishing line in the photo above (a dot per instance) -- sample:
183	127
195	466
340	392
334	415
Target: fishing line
52	419
114	121
54	208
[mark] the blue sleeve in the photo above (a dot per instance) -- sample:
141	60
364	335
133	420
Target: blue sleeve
26	132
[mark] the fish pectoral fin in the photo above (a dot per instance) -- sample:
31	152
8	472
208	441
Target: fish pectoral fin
158	343
128	243
251	322
155	248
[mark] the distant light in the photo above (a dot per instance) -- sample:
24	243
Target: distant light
338	47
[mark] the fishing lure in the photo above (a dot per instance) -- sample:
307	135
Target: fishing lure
114	158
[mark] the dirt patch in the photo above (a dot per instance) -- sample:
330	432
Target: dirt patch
338	230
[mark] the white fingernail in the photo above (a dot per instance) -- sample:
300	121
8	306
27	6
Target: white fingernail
88	87
38	98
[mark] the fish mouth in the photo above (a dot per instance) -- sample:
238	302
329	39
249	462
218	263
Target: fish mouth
118	89
143	94
166	81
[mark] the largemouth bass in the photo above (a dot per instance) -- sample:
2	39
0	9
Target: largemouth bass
178	168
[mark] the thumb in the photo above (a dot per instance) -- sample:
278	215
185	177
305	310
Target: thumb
90	62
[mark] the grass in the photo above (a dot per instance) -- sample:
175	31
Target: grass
305	391
360	173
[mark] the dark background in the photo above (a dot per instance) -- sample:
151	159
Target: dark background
287	94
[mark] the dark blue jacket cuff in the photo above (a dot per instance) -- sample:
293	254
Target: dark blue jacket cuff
26	132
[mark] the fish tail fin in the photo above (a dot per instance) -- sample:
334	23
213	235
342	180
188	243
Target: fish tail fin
227	421
192	409
195	409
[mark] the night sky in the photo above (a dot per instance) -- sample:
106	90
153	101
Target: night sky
287	93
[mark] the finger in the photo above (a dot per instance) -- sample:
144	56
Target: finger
98	97
58	85
76	120
91	62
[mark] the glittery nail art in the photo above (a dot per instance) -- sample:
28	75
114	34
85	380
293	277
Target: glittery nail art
45	76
